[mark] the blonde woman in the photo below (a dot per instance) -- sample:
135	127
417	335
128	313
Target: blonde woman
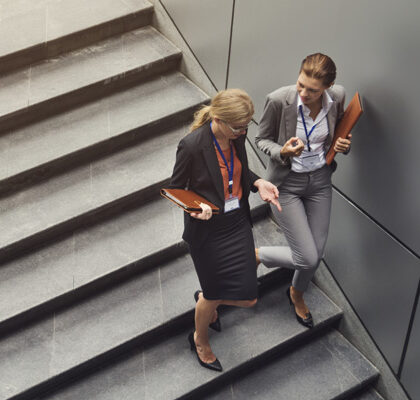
212	161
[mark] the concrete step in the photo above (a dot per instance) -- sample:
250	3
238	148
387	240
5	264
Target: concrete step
69	138
73	340
91	257
326	368
369	394
52	27
79	76
65	201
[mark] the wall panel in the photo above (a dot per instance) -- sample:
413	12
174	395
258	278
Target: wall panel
205	25
410	373
375	47
378	276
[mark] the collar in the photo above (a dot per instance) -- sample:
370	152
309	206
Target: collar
327	102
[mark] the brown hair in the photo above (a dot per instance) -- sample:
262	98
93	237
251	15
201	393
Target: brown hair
230	105
319	66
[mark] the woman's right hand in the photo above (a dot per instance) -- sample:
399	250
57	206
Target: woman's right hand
292	148
205	214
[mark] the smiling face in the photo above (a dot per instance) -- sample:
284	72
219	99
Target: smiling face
310	89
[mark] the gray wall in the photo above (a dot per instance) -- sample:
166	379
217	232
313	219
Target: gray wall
205	26
374	245
410	375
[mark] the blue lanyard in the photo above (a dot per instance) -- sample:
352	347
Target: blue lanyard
230	171
306	130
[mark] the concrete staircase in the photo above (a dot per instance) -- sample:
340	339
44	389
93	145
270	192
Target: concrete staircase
95	283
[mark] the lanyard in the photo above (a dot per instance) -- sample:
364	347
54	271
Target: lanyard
306	130
230	171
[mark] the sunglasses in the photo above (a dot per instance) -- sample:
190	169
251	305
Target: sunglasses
238	129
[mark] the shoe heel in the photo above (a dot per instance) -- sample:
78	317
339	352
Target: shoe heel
191	341
288	296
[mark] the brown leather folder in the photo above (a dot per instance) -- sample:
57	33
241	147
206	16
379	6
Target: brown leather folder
352	114
188	200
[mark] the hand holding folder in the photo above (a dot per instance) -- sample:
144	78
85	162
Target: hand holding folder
188	200
351	116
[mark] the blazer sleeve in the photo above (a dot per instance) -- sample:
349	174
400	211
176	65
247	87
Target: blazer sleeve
182	168
268	130
252	178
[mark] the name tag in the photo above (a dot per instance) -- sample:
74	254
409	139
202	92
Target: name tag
231	204
311	160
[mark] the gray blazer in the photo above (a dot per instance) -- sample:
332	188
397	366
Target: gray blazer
278	124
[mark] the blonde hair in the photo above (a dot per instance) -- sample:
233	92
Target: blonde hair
230	105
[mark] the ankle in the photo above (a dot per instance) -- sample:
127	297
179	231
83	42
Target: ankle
297	295
203	347
257	257
201	340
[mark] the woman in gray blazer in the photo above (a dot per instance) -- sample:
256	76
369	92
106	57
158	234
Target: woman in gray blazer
295	131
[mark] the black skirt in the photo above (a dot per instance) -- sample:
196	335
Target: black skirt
225	262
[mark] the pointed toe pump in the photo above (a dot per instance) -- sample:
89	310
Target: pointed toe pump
214	366
307	321
216	325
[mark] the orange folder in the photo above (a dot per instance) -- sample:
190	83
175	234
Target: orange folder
351	115
188	200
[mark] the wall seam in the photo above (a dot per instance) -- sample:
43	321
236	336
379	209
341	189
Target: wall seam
375	221
230	43
187	44
409	329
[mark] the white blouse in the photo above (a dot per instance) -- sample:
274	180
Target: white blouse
310	161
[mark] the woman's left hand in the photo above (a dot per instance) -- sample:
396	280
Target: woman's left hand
268	192
343	145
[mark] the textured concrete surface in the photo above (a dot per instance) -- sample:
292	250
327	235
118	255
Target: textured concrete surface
320	370
69	337
107	61
88	125
368	395
93	252
88	187
169	369
86	255
28	23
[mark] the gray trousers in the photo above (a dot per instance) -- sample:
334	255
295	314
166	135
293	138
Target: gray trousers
305	199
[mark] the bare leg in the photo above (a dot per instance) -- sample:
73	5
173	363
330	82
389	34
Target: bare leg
239	303
204	311
257	257
215	314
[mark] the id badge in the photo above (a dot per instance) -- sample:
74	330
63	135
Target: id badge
310	160
231	204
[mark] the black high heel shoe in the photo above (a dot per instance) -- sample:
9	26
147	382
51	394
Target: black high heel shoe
216	325
307	321
214	366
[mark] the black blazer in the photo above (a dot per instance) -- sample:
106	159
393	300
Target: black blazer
197	168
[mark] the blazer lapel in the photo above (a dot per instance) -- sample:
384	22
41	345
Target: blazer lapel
290	113
213	164
240	149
